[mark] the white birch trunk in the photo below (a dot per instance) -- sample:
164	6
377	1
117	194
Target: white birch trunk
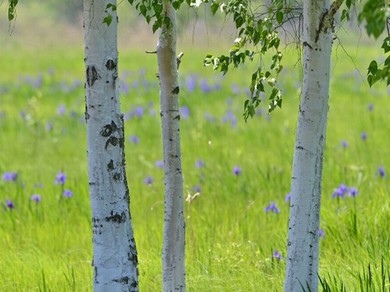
173	259
114	250
303	233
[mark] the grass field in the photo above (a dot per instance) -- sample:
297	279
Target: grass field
239	169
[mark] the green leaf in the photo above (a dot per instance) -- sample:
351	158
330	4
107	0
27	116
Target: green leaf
373	67
214	7
108	19
279	16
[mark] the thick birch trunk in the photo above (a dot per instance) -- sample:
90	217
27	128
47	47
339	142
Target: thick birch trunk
174	229
114	250
303	233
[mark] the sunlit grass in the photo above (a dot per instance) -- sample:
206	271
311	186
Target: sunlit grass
230	238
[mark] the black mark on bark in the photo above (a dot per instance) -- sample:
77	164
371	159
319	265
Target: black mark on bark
110	64
112	140
117	218
176	90
117	176
92	75
124	280
106	130
110	165
177	118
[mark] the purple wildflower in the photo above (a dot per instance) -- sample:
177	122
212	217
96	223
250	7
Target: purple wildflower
60	178
135	139
381	171
159	163
148	180
370	107
185	112
277	255
68	193
340	191
204	86
321	233
125	88
139	111
237	170
353	192
235	89
200	163
61	110
191	83
36	197
364	136
209	117
288	197
344	144
10	176
230	117
197	189
272	208
9	204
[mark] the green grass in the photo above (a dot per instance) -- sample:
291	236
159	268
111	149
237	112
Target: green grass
230	239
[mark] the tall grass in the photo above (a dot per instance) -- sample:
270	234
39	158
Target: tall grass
231	240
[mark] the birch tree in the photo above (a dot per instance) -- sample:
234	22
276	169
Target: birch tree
173	254
163	13
114	249
303	230
316	41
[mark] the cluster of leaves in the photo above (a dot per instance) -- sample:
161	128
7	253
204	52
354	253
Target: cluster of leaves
152	10
259	32
12	9
376	16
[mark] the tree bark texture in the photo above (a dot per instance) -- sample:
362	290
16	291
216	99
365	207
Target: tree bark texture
114	250
303	233
173	254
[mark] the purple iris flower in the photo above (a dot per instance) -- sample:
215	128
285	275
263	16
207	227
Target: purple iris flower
9	204
36	198
381	171
135	139
191	83
340	191
185	112
209	117
272	208
321	233
344	144
68	193
230	117
61	110
197	189
139	111
364	136
288	197
60	178
159	163
277	255
10	176
200	163
148	180
204	86
237	170
353	192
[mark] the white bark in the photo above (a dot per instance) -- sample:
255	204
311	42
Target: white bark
173	259
303	234
114	250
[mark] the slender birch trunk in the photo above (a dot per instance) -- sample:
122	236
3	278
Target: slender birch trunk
173	259
303	233
114	250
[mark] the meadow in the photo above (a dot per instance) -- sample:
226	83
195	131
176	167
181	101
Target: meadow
236	174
